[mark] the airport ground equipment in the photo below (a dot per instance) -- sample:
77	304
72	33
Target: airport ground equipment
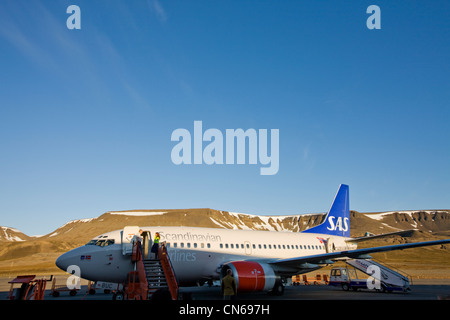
391	280
107	287
57	289
308	281
326	280
318	279
152	278
30	288
388	279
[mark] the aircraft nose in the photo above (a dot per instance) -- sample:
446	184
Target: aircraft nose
67	259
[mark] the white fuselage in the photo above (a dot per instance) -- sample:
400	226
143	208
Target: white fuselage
197	253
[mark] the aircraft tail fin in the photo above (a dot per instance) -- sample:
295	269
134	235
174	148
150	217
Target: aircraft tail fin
337	221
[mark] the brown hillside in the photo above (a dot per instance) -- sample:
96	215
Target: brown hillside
38	254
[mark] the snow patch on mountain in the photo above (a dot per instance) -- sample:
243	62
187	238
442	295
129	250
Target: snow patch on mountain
138	213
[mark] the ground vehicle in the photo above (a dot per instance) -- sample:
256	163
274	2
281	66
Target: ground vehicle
381	278
340	276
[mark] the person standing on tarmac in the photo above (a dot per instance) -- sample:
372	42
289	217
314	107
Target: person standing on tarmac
229	289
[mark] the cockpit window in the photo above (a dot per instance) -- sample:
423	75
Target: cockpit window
100	243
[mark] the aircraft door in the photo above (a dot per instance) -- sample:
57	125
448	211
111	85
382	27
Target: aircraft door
146	243
329	245
127	235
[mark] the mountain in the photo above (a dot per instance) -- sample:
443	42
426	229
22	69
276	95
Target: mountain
88	228
20	252
11	234
431	222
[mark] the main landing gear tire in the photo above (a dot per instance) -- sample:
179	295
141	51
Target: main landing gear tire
278	289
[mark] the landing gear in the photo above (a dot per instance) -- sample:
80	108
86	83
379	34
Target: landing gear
118	296
278	289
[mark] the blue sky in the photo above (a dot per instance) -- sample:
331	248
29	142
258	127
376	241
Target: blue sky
86	115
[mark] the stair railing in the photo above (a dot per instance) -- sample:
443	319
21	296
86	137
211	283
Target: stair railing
168	271
140	268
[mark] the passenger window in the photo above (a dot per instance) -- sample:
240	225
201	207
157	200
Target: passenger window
182	244
209	245
232	246
175	245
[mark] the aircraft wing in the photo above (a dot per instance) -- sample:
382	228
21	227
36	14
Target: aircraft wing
366	238
326	258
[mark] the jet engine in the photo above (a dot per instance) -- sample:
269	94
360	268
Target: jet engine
253	276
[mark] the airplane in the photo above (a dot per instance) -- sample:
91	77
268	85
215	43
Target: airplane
259	259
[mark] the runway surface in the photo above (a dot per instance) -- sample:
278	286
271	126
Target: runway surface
436	290
206	302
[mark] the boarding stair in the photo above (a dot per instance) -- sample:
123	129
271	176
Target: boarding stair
156	279
390	279
152	278
30	288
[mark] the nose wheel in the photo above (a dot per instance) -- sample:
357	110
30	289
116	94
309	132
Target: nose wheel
118	296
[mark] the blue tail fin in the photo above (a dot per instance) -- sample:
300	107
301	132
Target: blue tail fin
337	221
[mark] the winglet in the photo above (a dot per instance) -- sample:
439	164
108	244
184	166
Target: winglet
337	221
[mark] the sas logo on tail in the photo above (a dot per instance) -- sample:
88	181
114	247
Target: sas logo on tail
341	224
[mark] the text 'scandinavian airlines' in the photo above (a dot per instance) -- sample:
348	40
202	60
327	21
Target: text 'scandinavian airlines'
258	259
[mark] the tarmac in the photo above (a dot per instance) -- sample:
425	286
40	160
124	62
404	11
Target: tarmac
421	289
207	302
